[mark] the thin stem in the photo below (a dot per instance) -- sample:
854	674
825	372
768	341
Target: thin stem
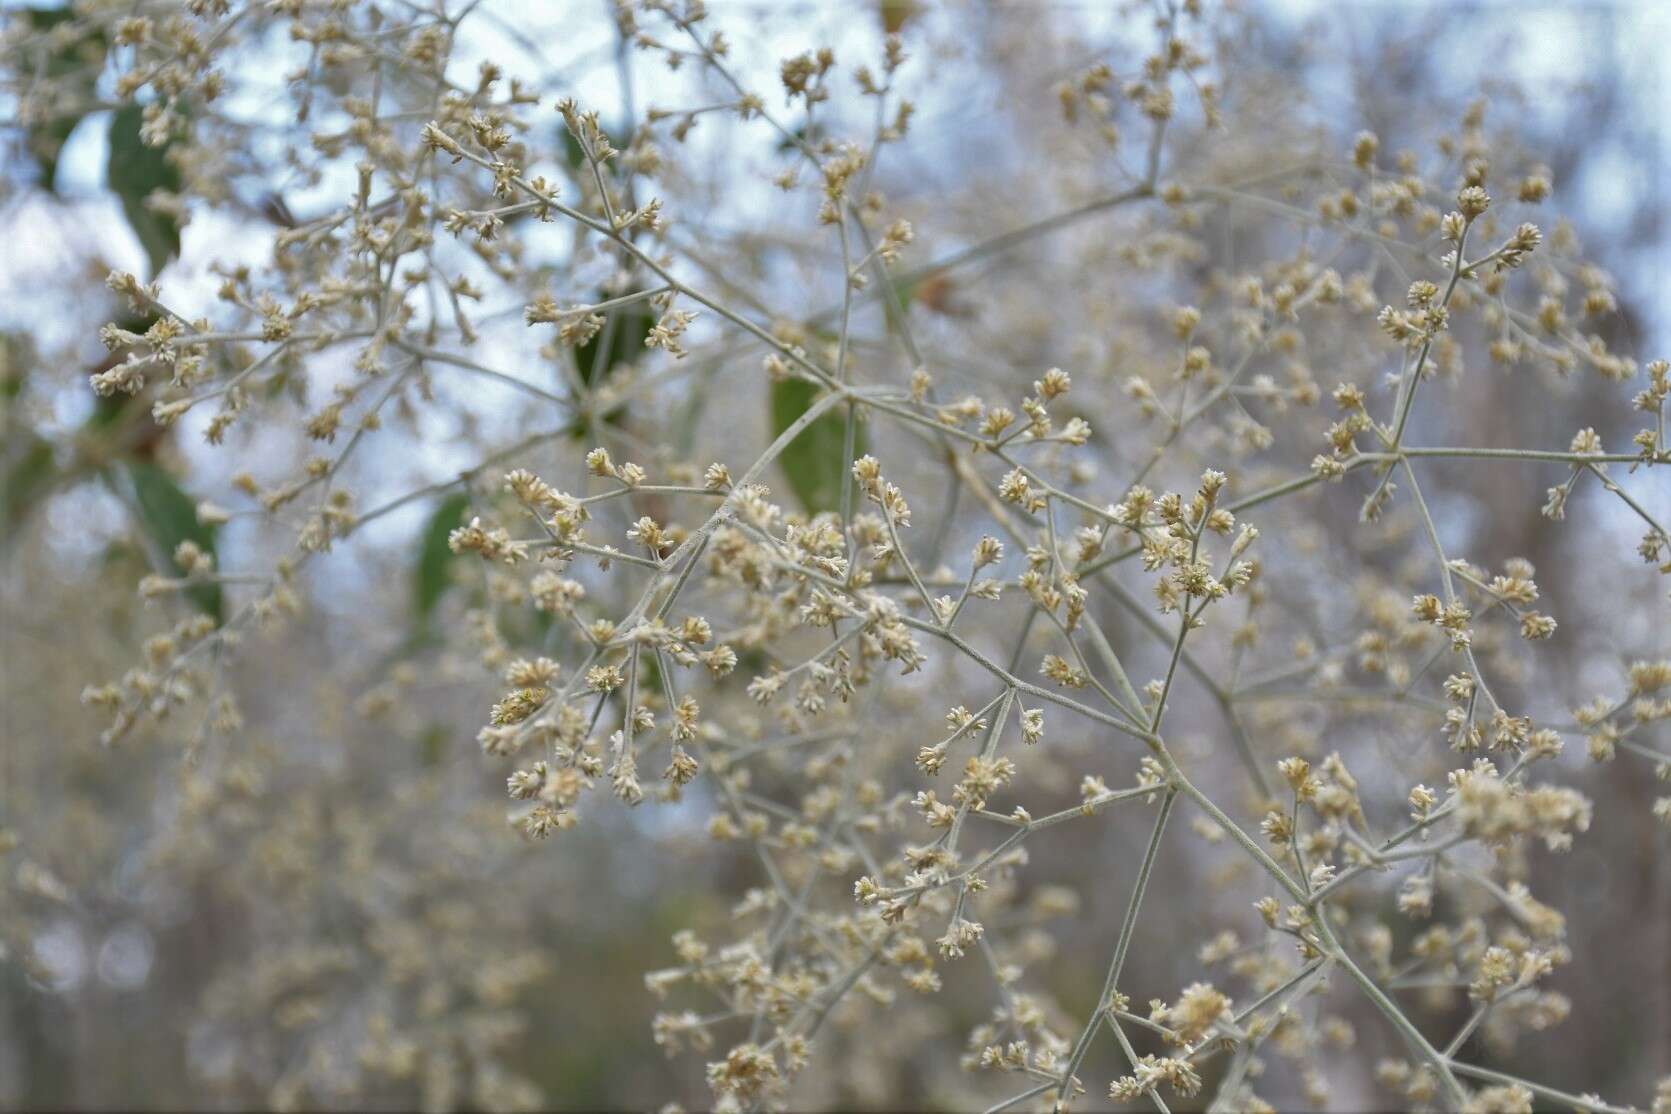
1123	943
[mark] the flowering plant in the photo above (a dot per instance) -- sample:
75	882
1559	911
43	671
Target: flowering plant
889	552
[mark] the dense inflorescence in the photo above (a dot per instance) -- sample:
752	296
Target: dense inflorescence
882	595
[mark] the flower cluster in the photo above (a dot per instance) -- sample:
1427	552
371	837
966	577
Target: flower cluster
888	626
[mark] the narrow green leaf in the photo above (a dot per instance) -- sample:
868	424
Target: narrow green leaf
169	517
572	150
46	142
810	135
435	558
26	480
814	463
576	154
649	675
624	330
17	359
134	171
432	744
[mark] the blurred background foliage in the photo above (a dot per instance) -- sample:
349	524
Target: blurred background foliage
190	930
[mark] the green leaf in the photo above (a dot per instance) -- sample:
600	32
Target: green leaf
624	330
432	744
109	411
27	479
896	14
572	150
805	134
649	676
46	142
435	559
134	171
576	154
17	358
815	462
169	517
